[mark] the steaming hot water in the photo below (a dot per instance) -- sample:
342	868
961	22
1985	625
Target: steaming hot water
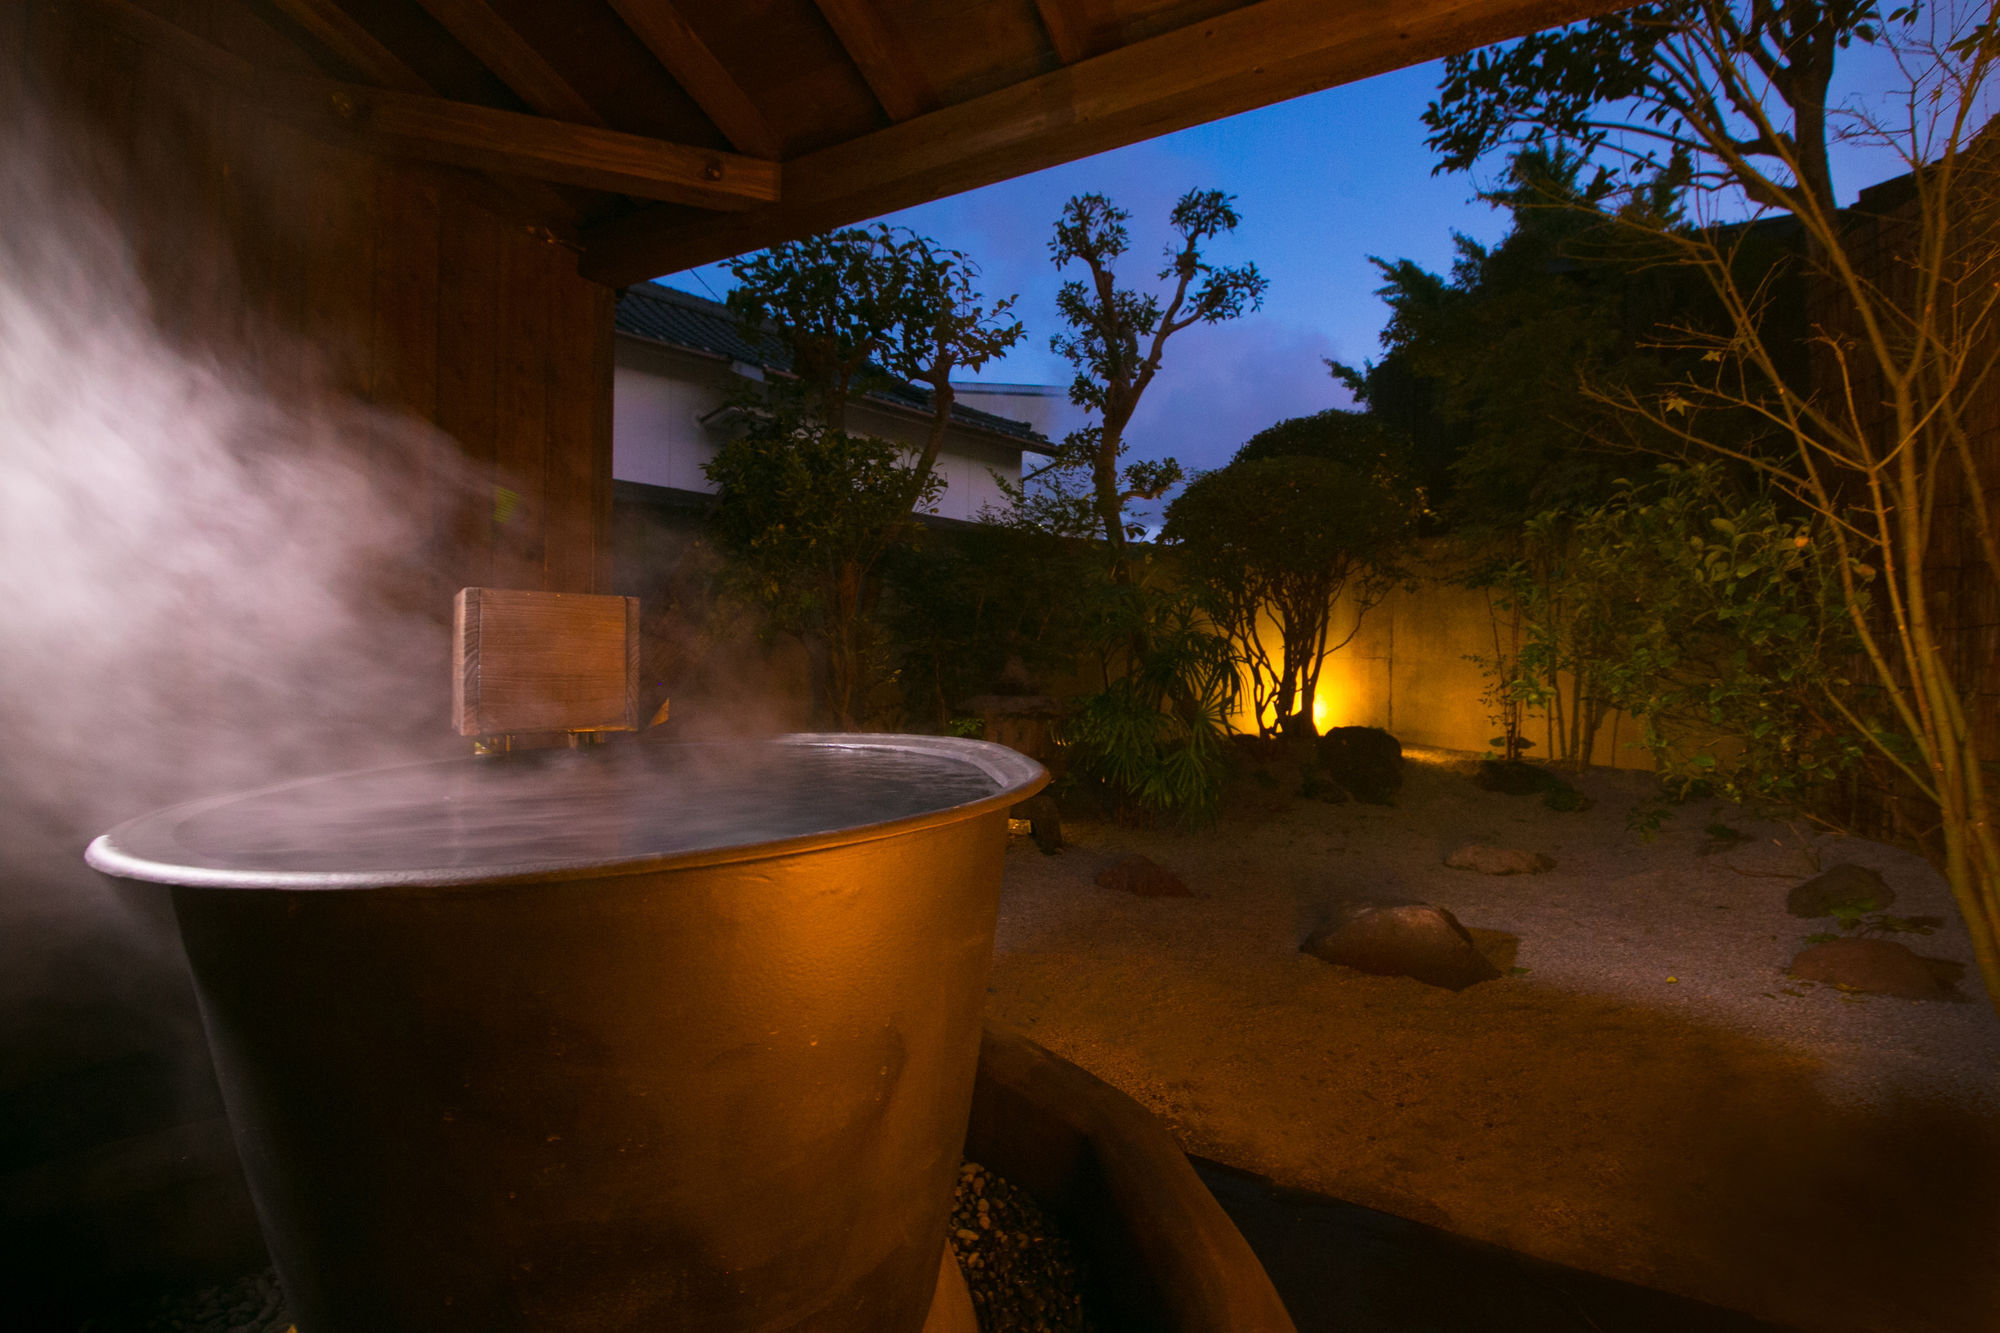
536	813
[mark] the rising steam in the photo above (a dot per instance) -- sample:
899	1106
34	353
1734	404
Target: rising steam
204	584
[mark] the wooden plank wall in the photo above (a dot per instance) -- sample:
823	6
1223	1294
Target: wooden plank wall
1965	605
326	270
1965	600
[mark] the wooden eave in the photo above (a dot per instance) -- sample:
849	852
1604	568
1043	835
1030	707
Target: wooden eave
668	133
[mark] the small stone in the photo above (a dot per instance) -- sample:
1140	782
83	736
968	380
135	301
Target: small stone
1408	940
1878	967
1366	762
1044	821
1142	877
1840	888
1490	860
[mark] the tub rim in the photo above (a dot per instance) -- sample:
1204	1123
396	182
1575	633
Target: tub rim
1018	776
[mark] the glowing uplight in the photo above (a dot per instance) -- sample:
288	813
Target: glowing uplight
1322	709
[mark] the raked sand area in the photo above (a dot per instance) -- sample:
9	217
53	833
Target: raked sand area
1823	1160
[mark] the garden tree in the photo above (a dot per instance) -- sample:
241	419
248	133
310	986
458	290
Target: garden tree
1488	366
1882	434
1150	741
1702	605
807	507
1308	509
1488	369
970	601
1118	336
1726	93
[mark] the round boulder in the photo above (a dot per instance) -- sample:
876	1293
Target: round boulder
1880	967
1841	888
1142	877
1407	940
1367	762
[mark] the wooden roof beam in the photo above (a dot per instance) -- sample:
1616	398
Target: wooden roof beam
1070	27
885	60
1250	57
659	24
485	139
336	30
518	65
460	134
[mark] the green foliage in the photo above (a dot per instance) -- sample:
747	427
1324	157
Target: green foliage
972	601
1688	85
1153	741
1489	370
806	508
796	499
1117	337
1720	621
802	510
850	310
1277	537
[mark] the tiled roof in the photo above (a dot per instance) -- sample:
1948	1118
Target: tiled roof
680	319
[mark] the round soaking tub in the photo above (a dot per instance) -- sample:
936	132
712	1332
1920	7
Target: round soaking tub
672	1037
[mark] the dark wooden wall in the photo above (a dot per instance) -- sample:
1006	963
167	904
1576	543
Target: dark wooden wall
1965	604
329	271
325	277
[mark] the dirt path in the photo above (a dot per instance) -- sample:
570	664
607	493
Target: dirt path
1817	1159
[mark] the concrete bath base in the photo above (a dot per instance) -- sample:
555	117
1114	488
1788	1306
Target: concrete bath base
1165	1257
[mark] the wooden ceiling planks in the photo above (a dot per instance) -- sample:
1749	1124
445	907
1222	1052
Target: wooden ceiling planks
336	30
605	61
677	46
976	47
1068	26
461	134
879	50
871	105
501	49
1246	58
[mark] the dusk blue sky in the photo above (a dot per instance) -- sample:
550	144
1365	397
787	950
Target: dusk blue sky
1322	182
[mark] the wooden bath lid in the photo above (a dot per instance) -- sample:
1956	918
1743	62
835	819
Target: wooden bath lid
544	662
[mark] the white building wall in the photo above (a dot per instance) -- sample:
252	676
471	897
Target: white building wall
657	399
659	396
1046	407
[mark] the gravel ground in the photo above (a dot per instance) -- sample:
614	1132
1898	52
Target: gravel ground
1651	1097
1021	1272
1619	915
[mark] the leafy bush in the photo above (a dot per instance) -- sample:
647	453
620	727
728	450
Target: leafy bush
1153	740
1276	539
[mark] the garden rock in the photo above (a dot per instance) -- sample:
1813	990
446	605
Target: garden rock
1512	777
1044	821
1843	888
1490	860
1880	967
1409	940
1366	761
1142	877
1282	767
